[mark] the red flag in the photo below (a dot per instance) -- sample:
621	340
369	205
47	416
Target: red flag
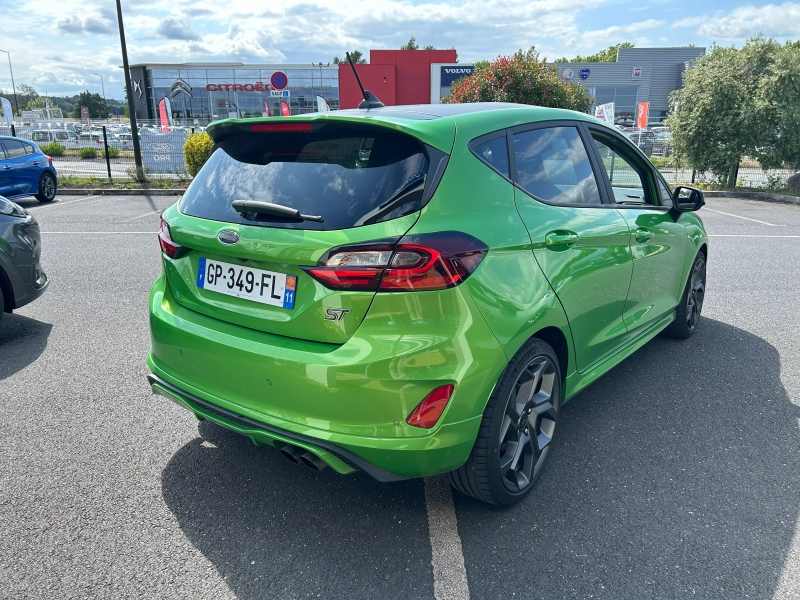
266	109
162	114
642	110
285	109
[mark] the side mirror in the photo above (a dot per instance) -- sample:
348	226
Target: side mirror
686	199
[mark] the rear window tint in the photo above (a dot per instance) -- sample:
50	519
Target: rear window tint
13	148
350	176
494	153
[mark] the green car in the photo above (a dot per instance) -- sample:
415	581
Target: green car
415	290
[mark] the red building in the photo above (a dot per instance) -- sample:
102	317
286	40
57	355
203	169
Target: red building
394	76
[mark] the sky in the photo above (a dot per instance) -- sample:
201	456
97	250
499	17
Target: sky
61	47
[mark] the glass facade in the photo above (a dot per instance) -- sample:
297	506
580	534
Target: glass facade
198	96
623	97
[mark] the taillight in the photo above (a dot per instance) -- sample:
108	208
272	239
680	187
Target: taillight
431	261
169	247
49	158
430	410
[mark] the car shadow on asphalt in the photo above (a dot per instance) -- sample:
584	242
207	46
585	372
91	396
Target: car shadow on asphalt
22	341
675	475
273	529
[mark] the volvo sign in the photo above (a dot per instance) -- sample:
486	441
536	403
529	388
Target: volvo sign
453	73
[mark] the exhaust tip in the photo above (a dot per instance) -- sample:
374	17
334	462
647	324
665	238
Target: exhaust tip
312	461
292	453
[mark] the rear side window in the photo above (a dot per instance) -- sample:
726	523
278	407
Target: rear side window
494	153
40	136
14	149
350	176
552	165
29	149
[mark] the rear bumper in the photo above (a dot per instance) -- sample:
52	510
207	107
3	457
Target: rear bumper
347	403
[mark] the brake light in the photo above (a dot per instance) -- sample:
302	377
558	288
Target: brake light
429	411
434	261
281	127
168	247
49	158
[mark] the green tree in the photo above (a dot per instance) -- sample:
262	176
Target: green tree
356	55
411	45
97	107
717	120
607	55
778	99
524	78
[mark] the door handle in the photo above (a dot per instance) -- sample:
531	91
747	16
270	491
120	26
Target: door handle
642	235
560	240
7	167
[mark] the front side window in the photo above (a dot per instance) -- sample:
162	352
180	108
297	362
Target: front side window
552	165
348	175
627	179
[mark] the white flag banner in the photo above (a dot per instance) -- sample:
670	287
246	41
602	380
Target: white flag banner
605	112
8	113
322	104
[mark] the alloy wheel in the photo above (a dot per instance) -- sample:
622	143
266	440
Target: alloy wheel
694	300
528	424
48	187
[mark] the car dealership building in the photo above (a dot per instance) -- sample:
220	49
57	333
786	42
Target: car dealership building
638	75
198	93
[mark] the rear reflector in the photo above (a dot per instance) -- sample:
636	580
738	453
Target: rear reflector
281	127
430	410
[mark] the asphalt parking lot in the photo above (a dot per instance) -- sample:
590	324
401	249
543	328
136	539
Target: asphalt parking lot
674	476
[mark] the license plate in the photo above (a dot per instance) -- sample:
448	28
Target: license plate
267	287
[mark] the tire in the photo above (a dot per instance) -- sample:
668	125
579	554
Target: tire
47	188
499	469
687	314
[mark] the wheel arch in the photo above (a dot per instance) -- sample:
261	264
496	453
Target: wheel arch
558	342
8	292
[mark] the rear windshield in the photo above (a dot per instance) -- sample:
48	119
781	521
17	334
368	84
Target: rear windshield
350	176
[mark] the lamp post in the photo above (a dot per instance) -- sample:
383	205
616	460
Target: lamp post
12	80
102	85
137	152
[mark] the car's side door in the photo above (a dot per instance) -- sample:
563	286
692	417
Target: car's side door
579	241
658	241
6	173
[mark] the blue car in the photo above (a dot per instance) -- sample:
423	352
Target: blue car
26	171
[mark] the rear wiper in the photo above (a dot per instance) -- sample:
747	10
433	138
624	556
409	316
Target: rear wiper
255	207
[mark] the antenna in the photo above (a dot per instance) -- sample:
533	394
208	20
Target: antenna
370	99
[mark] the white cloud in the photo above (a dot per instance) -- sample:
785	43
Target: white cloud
173	28
745	21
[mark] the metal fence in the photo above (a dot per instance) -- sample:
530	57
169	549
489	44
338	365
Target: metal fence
104	150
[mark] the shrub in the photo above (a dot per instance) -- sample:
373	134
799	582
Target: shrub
113	152
196	151
88	153
53	149
522	78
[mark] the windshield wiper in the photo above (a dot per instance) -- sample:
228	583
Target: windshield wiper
255	207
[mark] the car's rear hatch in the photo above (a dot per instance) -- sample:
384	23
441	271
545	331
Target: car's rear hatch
240	266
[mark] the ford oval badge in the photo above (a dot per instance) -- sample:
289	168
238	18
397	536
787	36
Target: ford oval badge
228	237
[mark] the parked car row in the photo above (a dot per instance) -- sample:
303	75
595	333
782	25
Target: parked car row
653	142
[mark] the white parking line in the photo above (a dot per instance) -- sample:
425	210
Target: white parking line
152	212
741	217
447	557
59	203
